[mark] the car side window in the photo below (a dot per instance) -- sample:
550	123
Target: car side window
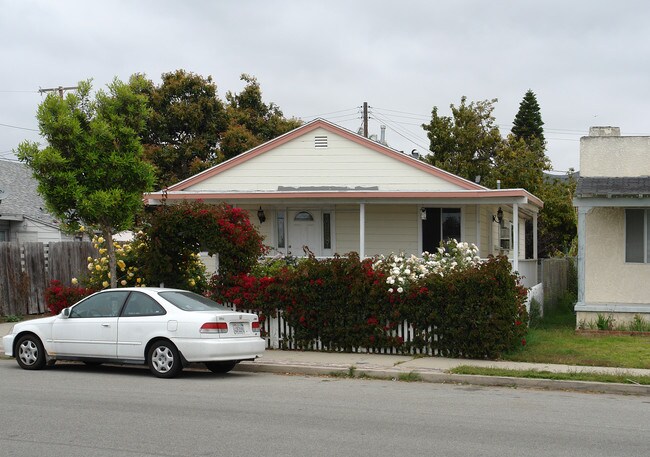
106	304
140	304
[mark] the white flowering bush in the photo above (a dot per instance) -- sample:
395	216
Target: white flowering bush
403	272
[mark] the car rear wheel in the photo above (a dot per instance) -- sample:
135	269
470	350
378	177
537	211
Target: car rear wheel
164	360
220	367
30	354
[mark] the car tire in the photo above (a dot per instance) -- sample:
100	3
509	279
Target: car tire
220	367
164	359
30	353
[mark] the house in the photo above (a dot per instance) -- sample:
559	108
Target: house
23	217
324	189
613	202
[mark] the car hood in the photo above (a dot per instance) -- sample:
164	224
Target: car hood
32	322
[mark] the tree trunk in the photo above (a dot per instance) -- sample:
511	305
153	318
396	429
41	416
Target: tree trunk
112	262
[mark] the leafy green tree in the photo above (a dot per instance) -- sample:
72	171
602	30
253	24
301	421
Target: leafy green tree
528	124
465	143
517	165
91	172
185	128
557	222
251	121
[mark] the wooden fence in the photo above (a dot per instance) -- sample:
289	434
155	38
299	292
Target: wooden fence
26	270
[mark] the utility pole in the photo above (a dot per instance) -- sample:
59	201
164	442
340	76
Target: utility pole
365	119
59	89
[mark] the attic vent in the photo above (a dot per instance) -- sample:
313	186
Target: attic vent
320	141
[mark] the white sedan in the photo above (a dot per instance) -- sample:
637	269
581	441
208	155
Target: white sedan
163	328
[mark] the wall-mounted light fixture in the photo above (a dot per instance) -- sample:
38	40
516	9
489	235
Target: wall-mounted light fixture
260	215
423	214
498	217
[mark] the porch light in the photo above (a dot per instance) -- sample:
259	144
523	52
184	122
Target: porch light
260	215
498	217
423	214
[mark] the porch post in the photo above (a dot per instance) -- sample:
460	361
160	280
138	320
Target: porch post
515	235
582	234
535	236
362	230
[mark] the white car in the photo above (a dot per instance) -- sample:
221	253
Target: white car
163	328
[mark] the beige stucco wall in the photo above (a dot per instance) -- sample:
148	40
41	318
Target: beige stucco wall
614	156
608	279
343	163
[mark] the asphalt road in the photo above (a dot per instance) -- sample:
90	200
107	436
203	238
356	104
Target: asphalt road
74	410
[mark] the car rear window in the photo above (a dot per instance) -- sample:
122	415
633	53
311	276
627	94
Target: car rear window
189	301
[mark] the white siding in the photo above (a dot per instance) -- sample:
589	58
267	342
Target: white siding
391	228
343	163
347	229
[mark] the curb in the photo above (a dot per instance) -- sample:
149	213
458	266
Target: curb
448	378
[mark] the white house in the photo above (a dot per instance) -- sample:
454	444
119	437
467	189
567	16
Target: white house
326	189
23	217
613	201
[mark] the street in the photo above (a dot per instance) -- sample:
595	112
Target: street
75	410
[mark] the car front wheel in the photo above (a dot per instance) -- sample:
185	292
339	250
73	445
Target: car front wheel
164	360
30	354
220	367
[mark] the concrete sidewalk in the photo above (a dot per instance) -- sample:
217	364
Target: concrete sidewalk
428	369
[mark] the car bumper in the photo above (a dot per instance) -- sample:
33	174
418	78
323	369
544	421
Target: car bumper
220	349
8	344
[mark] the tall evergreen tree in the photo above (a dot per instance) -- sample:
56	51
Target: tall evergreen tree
528	122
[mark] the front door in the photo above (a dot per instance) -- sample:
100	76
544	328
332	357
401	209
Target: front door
304	230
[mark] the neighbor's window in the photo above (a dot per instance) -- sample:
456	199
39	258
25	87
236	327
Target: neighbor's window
637	235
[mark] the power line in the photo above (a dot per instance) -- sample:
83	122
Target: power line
331	112
16	127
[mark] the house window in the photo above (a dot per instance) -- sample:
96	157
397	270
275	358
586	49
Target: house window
327	231
439	224
280	220
637	235
303	216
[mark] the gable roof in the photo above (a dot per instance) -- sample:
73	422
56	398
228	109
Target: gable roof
334	129
240	178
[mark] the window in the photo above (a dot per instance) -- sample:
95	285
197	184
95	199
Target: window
189	301
281	243
303	216
105	304
637	235
439	224
327	231
140	304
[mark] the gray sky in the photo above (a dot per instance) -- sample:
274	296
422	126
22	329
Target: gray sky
587	61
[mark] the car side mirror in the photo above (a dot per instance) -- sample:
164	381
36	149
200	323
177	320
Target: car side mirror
65	313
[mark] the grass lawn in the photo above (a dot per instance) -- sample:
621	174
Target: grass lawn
554	340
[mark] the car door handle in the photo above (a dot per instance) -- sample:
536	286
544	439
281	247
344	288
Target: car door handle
106	325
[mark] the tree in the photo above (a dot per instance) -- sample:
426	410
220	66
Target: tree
251	121
466	143
557	221
185	128
91	172
528	122
517	165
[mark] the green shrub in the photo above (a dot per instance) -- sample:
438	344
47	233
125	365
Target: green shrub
347	303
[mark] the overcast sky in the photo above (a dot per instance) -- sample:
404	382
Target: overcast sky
587	61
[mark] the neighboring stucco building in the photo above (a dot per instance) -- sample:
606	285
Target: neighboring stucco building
333	191
23	217
613	201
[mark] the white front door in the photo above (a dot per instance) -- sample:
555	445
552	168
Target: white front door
304	229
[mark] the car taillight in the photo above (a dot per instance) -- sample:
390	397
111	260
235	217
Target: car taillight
255	326
214	327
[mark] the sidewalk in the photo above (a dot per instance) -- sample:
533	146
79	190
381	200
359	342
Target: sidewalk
427	369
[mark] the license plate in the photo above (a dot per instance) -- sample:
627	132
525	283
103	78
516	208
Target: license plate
238	328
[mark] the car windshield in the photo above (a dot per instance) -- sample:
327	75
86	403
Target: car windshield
189	301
